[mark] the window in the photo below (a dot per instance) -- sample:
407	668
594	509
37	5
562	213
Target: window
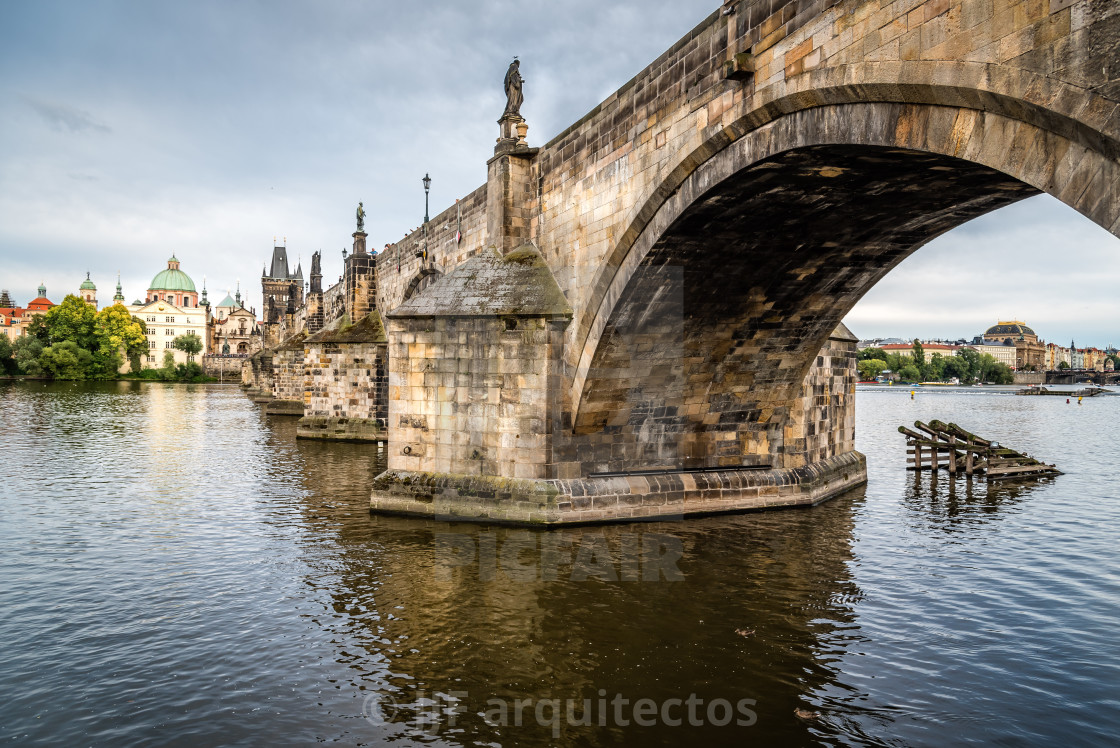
169	319
190	359
152	344
167	344
169	332
151	359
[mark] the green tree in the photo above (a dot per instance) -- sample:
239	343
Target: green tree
7	363
26	352
955	366
971	357
871	368
870	353
190	344
1063	364
37	328
66	360
910	373
72	320
919	354
935	369
118	332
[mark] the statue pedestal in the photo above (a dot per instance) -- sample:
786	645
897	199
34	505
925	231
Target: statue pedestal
360	242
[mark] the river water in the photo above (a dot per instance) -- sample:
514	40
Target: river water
177	569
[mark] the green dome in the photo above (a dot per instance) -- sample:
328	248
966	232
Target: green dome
172	279
87	285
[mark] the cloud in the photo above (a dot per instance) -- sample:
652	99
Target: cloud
64	117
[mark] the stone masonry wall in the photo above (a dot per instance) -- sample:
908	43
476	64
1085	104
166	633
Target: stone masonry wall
288	365
444	252
471	396
347	380
825	426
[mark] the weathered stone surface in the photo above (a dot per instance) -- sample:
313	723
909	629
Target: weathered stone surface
284	408
450	497
345	382
489	284
342	428
709	233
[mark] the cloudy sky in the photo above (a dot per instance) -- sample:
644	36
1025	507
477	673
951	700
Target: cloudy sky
131	130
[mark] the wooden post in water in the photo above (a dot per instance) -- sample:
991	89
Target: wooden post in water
952	454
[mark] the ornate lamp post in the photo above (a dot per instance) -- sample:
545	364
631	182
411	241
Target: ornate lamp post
427	184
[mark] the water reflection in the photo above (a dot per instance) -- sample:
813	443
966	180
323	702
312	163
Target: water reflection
447	628
220	582
953	503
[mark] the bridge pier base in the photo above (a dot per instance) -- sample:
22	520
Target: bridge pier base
628	498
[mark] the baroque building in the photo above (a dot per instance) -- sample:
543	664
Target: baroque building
171	308
233	328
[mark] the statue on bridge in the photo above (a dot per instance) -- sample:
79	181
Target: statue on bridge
514	96
361	217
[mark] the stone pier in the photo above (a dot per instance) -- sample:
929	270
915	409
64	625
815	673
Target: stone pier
346	383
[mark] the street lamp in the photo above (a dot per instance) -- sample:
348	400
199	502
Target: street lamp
427	184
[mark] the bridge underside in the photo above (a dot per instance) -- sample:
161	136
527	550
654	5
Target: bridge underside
723	380
705	357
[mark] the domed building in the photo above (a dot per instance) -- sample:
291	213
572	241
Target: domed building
174	286
171	308
88	291
1012	330
1030	352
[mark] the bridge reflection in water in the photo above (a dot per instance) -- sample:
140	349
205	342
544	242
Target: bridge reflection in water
434	620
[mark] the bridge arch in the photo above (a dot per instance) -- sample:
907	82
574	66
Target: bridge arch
780	190
425	276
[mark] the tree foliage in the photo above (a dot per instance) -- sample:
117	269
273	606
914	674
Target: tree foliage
72	320
190	344
968	365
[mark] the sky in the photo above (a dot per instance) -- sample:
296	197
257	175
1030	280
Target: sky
133	130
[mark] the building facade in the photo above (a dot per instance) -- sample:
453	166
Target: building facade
171	308
1030	352
233	328
14	319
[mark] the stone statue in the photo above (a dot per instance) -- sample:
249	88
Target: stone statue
315	268
513	84
361	218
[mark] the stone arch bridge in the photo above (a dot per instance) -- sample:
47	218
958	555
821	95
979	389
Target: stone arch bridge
642	317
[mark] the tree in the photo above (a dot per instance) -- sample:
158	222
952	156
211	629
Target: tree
37	328
26	352
971	357
72	320
955	366
935	369
1063	364
870	353
871	368
7	363
66	360
919	354
190	344
910	373
118	332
